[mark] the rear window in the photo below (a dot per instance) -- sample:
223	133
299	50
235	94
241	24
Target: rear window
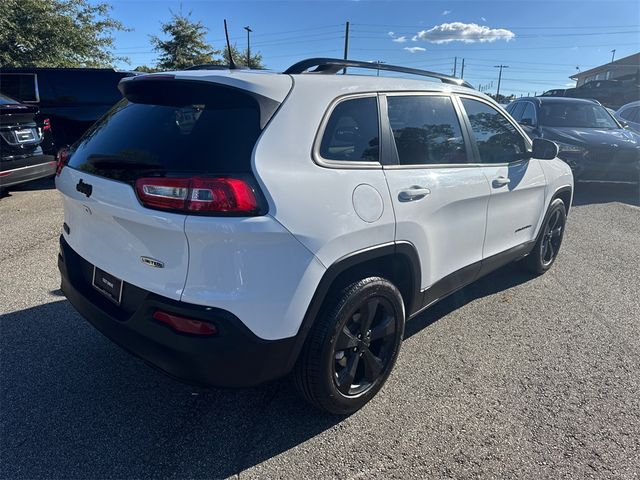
171	128
21	86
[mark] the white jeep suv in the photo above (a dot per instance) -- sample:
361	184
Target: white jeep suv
231	227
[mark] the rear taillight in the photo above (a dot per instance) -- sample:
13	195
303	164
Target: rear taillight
222	195
46	125
61	158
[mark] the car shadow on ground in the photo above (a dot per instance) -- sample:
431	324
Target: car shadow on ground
587	193
75	405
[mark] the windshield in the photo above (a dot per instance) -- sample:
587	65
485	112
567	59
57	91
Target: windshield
576	115
6	100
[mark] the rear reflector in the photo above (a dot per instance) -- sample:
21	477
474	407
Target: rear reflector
198	194
46	124
185	325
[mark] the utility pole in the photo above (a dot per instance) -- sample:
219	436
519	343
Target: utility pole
499	78
378	62
346	45
248	29
613	54
455	65
462	69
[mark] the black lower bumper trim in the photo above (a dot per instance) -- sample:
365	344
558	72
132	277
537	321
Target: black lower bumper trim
235	357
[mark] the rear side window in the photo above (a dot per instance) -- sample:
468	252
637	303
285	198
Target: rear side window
426	130
21	86
352	132
89	87
497	139
172	128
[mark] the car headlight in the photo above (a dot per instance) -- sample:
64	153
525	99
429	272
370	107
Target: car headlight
565	147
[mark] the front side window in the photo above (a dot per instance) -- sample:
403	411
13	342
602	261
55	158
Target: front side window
426	130
497	139
352	132
632	114
516	111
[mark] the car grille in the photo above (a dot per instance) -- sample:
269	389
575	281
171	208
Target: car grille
611	155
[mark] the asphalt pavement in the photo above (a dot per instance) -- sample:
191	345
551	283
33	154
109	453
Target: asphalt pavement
511	377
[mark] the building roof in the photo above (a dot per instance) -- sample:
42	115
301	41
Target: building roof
631	60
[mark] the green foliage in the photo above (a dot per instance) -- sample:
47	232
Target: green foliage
57	33
241	57
186	45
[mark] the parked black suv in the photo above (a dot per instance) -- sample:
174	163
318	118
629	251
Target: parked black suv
72	98
610	93
589	139
21	143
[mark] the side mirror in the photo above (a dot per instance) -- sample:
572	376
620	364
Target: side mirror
544	149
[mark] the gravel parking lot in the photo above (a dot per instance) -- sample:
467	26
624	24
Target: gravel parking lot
512	377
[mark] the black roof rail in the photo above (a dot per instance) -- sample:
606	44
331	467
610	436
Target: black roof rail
334	65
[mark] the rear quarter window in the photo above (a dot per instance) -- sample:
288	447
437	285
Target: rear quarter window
21	86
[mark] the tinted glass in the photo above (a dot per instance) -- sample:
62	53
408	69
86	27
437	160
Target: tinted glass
172	128
6	100
80	86
631	114
516	111
576	115
21	86
497	139
351	133
426	130
529	114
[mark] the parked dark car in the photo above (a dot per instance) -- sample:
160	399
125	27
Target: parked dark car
590	140
21	144
72	98
610	93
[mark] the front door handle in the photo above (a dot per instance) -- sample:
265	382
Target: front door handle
500	182
413	193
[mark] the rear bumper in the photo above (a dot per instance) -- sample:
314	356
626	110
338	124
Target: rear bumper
234	357
40	166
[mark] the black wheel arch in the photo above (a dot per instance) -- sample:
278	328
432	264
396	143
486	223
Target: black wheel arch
399	262
565	194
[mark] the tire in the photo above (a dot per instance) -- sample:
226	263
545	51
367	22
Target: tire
352	347
547	246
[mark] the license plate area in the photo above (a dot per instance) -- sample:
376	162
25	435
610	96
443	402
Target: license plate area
107	285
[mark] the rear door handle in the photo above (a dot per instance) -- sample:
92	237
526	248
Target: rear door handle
413	193
500	182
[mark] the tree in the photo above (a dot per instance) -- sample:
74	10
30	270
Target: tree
240	58
186	45
57	33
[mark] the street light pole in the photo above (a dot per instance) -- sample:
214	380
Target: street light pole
378	62
248	29
613	54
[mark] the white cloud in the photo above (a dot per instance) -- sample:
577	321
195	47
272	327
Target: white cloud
483	19
415	49
401	39
464	32
391	34
446	12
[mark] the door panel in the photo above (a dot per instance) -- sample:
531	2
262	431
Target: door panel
446	226
514	207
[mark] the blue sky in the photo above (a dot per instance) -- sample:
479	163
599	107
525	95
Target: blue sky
542	41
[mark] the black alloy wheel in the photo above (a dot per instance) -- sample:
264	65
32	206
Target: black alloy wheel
547	246
364	347
552	237
352	346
